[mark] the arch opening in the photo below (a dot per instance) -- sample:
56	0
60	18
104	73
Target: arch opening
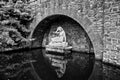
76	37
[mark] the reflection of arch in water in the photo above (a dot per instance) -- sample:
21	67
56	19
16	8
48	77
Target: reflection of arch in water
48	24
78	68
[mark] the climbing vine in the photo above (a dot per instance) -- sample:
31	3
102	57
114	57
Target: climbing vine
15	18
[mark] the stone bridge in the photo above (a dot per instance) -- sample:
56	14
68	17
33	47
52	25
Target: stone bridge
78	10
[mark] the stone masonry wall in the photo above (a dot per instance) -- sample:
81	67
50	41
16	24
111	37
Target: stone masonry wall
99	18
112	32
103	17
88	13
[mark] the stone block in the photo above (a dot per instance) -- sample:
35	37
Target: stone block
107	24
118	41
105	57
108	46
107	18
118	35
87	21
114	41
112	35
113	29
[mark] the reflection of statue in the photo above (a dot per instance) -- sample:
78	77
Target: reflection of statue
59	38
57	43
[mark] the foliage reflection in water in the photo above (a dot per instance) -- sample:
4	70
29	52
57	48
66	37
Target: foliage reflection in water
35	65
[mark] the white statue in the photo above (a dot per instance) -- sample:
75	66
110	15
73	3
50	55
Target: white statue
59	38
57	43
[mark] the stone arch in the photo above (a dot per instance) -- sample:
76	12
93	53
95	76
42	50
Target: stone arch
83	21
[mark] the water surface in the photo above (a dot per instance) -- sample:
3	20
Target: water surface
33	65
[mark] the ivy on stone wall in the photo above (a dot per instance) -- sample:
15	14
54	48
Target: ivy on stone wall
15	19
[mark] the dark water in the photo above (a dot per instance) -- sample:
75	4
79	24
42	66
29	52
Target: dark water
33	65
78	68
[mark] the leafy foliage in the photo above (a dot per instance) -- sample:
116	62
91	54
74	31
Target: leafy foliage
15	19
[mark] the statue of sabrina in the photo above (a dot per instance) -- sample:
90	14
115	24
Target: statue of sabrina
57	43
59	38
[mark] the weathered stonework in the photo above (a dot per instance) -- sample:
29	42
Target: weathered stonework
99	18
111	32
84	12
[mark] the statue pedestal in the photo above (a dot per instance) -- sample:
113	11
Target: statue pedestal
58	47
